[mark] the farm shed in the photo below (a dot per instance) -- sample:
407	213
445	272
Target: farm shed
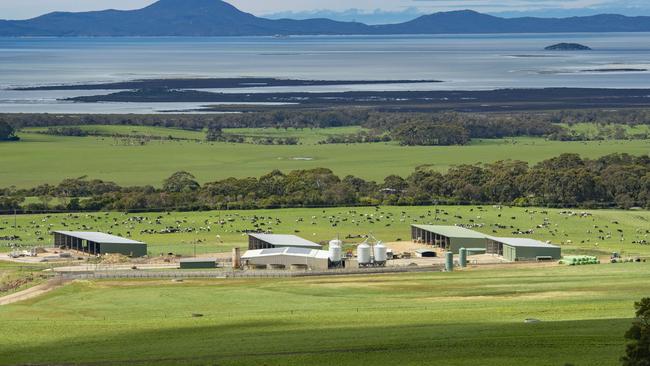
198	263
449	238
522	249
266	241
286	257
99	243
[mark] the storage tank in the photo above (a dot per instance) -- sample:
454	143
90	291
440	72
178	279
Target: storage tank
380	254
449	261
335	252
363	254
462	257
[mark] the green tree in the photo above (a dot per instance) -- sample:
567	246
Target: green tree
215	133
7	132
420	133
638	350
181	182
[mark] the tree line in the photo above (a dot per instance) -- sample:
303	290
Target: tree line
617	180
436	128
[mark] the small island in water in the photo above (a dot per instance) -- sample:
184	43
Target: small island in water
568	47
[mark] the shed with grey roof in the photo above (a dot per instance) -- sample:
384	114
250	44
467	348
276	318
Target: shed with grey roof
523	249
99	243
267	241
448	238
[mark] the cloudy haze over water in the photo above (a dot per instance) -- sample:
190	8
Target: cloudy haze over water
370	11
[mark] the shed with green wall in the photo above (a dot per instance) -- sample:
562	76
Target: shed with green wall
198	263
523	249
448	238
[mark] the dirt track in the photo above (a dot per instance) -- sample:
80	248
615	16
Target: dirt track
32	292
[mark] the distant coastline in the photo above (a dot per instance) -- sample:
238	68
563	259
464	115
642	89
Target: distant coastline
216	83
457	100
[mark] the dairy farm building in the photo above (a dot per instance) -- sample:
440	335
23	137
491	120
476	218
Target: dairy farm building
99	243
448	238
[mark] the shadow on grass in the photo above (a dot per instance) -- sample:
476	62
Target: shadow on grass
587	342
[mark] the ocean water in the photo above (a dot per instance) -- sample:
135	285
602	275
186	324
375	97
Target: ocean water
465	62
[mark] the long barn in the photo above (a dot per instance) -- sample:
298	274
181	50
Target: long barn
448	238
99	243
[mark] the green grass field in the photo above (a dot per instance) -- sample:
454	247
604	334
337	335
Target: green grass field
474	317
49	159
218	231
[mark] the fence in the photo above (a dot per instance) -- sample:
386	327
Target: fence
243	274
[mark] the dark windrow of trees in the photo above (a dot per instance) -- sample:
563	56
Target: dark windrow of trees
435	128
617	180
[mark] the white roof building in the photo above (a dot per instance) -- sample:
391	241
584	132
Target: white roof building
287	257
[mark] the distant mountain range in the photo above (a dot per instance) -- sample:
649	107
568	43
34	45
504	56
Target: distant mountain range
218	18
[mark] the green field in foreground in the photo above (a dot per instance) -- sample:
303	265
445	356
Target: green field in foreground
474	317
49	159
217	231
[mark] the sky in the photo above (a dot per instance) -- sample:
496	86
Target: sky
363	10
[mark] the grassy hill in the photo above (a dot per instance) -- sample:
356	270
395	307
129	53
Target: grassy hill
41	158
475	317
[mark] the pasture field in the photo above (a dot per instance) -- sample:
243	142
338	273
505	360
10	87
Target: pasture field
473	317
41	158
588	231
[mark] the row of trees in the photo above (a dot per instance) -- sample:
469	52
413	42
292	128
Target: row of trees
393	124
617	180
506	122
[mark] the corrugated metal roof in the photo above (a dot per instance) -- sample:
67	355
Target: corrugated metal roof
280	240
288	251
452	231
97	237
523	242
198	260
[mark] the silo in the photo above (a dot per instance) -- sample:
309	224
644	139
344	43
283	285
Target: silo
449	261
380	254
335	252
363	254
462	257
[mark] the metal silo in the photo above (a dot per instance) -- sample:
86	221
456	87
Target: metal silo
335	252
449	261
462	257
380	252
363	254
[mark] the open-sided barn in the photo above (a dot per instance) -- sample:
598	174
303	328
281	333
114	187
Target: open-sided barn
448	238
99	243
